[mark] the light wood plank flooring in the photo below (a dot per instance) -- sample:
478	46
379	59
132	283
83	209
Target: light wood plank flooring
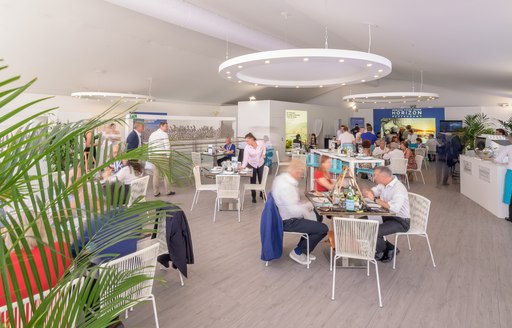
229	286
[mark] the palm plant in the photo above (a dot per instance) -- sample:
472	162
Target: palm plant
50	212
507	125
475	125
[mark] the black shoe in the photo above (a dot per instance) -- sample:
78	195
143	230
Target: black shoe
163	260
157	195
254	200
508	219
170	193
390	253
261	195
379	256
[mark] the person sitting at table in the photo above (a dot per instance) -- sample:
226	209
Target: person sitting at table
345	137
295	213
380	148
254	158
420	143
323	178
131	170
312	141
409	154
297	141
394	152
391	195
230	150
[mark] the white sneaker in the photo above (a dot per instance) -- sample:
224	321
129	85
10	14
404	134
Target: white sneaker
301	259
311	257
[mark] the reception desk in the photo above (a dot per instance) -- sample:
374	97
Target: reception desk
483	181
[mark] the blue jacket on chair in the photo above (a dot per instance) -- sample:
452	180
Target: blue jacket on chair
271	231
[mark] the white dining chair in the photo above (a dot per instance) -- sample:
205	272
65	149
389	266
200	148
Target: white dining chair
142	262
419	164
200	186
228	187
356	239
422	152
279	163
257	187
138	189
398	166
419	211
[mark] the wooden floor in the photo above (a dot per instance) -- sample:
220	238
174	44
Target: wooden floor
229	286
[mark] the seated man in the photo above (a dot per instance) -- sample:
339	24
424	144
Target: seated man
230	149
392	195
297	141
295	213
380	148
394	152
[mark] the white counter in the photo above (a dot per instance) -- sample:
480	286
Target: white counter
483	182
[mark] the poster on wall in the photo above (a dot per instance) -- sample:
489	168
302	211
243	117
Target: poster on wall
356	120
296	124
424	121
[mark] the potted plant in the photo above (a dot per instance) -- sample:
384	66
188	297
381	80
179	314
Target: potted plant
507	125
474	125
39	211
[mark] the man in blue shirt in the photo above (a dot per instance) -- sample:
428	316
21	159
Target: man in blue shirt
368	135
230	151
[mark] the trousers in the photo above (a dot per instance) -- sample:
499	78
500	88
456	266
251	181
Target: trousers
156	182
315	230
389	226
256	172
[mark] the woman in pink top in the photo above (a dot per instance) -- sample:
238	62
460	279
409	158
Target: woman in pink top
254	158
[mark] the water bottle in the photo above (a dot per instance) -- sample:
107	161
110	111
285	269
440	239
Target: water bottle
349	203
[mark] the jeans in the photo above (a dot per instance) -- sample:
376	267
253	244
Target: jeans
389	226
316	231
256	172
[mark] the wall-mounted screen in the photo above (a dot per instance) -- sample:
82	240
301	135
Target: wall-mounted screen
450	125
422	126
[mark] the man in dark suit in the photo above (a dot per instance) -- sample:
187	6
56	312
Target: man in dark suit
134	139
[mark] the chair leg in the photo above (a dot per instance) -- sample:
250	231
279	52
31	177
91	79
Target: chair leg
409	242
238	208
422	178
193	201
333	279
407	179
277	170
394	255
430	250
378	282
155	311
266	263
215	209
243	197
367	268
197	199
307	254
330	258
264	197
181	279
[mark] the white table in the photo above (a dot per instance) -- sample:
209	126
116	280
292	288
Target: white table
214	156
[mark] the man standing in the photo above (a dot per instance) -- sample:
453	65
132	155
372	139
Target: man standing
345	137
134	139
294	213
392	195
159	143
369	135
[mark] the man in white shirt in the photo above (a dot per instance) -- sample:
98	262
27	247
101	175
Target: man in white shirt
345	137
392	195
285	191
380	148
394	152
411	137
159	143
432	147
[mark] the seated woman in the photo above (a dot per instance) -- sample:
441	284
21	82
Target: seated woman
56	269
367	151
409	155
420	143
131	170
323	176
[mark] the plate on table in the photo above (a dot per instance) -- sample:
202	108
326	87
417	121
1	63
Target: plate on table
373	205
228	172
320	199
364	157
216	170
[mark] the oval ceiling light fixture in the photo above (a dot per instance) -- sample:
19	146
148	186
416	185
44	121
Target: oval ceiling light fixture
112	96
306	68
391	97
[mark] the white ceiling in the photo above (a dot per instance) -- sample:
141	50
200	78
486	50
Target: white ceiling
95	45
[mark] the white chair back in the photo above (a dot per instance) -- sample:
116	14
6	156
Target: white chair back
419	211
138	188
142	262
419	161
355	238
196	158
228	186
277	157
420	151
264	177
398	165
197	176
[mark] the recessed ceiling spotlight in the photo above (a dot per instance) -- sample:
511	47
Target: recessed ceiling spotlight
239	81
343	84
380	70
369	65
375	76
229	77
267	61
297	86
252	98
240	66
321	86
306	59
256	84
363	81
228	72
341	60
276	86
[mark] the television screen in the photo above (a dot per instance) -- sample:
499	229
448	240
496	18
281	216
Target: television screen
450	126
